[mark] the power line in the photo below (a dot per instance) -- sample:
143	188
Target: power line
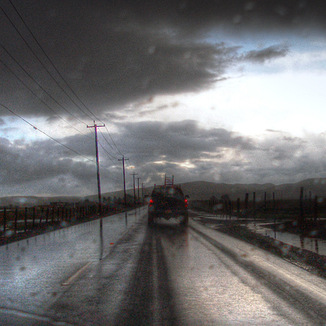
53	65
44	90
108	154
41	131
36	56
109	145
44	133
113	141
52	110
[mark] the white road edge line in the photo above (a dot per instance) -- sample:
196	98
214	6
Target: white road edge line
302	281
73	277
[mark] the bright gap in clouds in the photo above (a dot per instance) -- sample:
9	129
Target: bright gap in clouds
290	102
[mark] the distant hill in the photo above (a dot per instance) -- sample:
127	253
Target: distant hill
204	190
35	200
196	190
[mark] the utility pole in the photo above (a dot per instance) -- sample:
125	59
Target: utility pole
133	174
124	177
138	187
142	192
95	126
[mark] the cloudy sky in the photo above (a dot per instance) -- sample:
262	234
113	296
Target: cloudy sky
222	91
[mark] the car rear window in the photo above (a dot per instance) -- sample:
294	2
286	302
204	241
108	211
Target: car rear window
170	192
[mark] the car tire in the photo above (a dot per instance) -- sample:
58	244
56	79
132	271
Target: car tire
185	220
150	219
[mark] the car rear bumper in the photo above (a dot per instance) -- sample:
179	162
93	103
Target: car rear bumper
167	214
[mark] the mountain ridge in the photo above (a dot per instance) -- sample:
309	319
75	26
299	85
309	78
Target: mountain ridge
197	190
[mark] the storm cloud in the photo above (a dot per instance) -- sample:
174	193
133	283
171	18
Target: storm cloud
69	63
183	149
260	56
115	54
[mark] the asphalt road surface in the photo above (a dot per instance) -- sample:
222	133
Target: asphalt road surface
165	275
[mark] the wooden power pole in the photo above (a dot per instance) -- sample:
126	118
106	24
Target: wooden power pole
124	178
95	126
138	189
133	174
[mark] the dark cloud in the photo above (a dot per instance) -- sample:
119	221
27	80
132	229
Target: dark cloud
113	54
183	149
178	141
260	56
155	147
120	55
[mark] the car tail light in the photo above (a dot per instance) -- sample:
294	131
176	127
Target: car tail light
151	202
186	202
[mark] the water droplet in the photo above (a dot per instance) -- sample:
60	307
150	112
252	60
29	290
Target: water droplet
237	19
151	49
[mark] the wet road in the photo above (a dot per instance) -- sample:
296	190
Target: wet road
166	275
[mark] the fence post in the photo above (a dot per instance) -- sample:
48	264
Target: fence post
230	209
34	212
246	201
316	209
25	219
301	217
4	220
274	206
16	217
254	204
47	215
42	212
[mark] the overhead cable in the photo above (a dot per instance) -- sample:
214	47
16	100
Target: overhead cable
44	133
44	90
56	69
51	109
39	60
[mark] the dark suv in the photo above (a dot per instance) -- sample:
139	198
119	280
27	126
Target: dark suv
167	202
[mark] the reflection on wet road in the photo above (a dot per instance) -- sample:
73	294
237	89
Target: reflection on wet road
315	245
172	275
33	271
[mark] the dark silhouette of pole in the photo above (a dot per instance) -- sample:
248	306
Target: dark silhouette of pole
316	209
138	188
301	217
98	169
246	201
142	192
124	178
254	204
98	188
133	174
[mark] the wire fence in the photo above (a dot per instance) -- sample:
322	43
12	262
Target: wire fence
264	205
22	220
